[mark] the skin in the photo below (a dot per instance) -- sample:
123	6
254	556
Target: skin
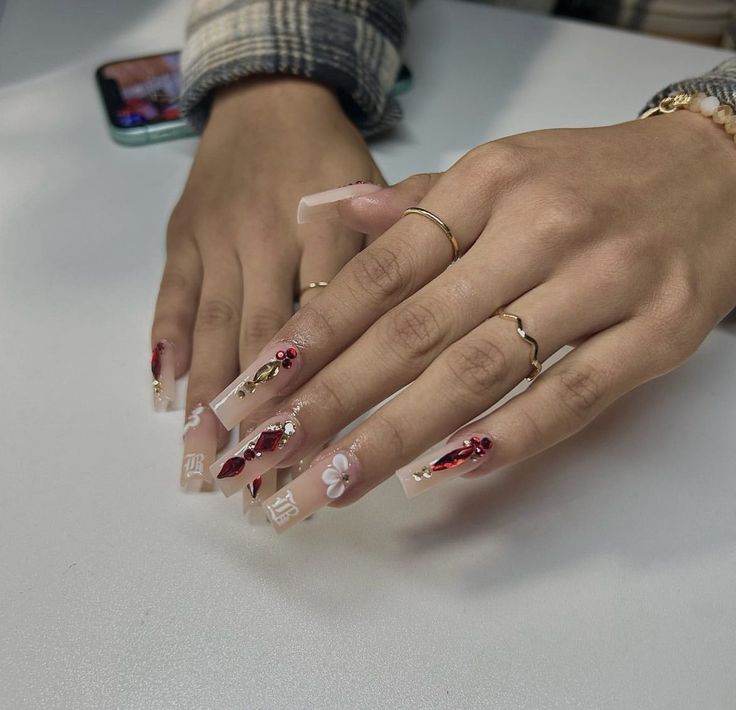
618	239
235	259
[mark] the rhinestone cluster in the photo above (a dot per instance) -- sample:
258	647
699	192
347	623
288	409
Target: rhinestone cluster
283	358
471	450
273	437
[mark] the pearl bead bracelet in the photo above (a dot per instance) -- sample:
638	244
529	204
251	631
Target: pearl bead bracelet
709	106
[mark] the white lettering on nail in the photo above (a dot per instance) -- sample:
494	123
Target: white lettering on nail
193	465
283	508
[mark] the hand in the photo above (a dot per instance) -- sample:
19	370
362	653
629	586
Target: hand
235	258
619	240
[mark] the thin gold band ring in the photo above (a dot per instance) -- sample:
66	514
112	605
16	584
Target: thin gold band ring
448	232
533	345
313	284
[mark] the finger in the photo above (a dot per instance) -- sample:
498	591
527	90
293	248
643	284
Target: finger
376	212
327	248
173	320
395	266
464	381
563	400
214	360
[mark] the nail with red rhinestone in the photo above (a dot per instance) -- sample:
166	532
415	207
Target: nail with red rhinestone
286	357
232	467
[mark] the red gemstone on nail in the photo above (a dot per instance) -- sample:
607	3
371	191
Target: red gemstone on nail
280	355
291	353
453	458
232	467
253	487
268	441
286	363
156	361
249	454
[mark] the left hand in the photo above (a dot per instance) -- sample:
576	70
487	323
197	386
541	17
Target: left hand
619	240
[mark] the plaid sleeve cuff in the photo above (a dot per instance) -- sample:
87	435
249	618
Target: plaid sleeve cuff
351	45
719	82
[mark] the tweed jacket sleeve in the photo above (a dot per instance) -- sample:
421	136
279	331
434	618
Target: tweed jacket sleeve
351	45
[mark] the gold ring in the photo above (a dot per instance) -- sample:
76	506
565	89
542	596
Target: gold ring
313	284
534	346
448	232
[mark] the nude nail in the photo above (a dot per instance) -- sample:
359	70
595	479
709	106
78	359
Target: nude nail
267	377
322	206
200	448
329	477
459	456
269	443
163	362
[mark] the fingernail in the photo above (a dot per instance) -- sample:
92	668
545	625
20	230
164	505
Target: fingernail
269	375
329	477
163	360
200	447
322	206
262	487
270	443
458	457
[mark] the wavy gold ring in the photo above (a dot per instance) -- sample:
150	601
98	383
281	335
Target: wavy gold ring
448	232
533	345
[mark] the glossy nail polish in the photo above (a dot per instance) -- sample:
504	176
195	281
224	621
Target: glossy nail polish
271	442
163	362
459	456
327	479
200	447
269	375
322	206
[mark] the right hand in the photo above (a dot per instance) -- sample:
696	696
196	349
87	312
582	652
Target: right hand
235	260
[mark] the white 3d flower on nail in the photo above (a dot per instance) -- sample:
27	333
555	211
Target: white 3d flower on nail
335	476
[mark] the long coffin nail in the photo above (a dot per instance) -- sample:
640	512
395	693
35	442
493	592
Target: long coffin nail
163	361
252	457
269	375
460	456
200	447
326	480
322	206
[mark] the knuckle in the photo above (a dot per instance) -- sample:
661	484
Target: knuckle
475	367
382	273
391	434
562	215
331	398
579	390
313	318
174	280
412	330
498	160
216	314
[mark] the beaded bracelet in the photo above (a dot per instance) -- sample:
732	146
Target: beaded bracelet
722	114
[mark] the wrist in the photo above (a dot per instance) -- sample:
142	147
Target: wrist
275	98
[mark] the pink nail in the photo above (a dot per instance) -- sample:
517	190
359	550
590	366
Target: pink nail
163	362
329	477
271	442
459	456
268	376
322	206
200	448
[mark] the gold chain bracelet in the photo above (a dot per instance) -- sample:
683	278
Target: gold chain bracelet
709	106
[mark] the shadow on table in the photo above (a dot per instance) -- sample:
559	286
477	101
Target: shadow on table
655	513
66	31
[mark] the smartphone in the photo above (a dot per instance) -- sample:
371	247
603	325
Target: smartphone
141	98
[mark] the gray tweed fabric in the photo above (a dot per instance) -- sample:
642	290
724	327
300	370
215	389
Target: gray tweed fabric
355	46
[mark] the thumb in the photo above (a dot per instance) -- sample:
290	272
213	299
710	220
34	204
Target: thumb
374	213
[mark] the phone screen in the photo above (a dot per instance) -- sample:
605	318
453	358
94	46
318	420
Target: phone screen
142	91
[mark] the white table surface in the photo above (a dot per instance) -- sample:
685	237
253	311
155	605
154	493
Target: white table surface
601	574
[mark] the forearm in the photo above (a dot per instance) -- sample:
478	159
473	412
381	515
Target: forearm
351	46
